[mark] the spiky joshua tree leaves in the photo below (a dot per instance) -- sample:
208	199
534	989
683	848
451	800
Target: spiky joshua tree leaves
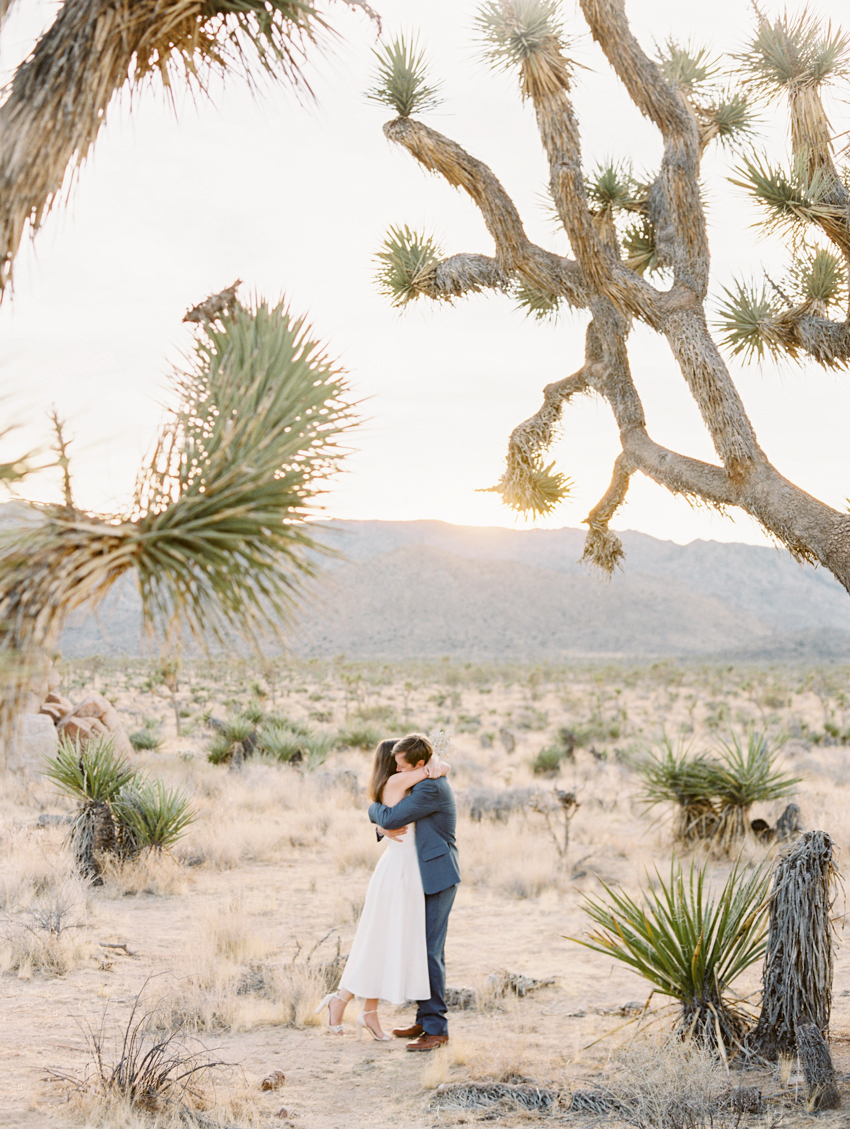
58	98
640	252
216	537
689	943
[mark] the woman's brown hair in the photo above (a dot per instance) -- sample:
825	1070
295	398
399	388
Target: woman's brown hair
383	768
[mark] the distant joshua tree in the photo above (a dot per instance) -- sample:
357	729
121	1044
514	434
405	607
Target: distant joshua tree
624	232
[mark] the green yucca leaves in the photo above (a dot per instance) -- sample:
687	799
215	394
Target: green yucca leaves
611	187
93	773
515	31
293	746
791	200
689	68
535	303
218	536
638	242
527	35
407	262
714	791
672	775
533	489
690	944
744	775
155	816
740	319
732	116
820	277
400	78
800	51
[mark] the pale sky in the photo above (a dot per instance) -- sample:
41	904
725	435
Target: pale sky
295	198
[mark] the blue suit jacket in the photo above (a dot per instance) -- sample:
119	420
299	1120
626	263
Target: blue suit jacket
431	806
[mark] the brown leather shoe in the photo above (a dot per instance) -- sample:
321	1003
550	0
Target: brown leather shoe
427	1042
409	1032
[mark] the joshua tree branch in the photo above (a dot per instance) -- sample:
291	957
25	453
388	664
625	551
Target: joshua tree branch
515	253
678	204
798	330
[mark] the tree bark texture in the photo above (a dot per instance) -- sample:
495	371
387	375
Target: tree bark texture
598	279
798	963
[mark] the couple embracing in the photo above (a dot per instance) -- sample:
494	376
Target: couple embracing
398	952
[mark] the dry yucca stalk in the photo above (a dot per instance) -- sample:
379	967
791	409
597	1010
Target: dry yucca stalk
216	538
797	973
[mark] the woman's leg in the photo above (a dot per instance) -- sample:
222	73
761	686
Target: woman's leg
337	1005
370	1018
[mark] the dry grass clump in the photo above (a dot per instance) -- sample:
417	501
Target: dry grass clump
34	862
48	936
511	858
672	1084
156	873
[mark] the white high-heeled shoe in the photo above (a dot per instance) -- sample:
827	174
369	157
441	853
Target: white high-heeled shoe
362	1026
337	1028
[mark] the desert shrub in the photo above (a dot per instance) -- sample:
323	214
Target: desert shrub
148	1070
548	761
673	1084
294	746
690	945
383	716
146	739
44	938
497	804
359	736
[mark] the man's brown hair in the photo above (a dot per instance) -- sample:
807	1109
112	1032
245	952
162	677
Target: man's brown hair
415	747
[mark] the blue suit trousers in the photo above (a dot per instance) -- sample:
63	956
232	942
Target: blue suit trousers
431	1014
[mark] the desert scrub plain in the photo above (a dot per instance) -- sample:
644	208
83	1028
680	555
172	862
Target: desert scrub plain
218	951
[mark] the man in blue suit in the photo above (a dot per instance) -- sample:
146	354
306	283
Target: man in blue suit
431	806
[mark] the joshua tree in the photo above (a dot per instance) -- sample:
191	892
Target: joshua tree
641	253
216	536
59	96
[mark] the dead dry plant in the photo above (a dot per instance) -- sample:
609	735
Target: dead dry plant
798	964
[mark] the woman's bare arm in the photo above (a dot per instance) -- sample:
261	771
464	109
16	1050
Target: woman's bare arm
397	787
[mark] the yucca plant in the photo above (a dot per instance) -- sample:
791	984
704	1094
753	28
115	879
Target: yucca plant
400	80
152	815
689	943
95	776
290	746
358	736
743	775
407	262
679	776
528	35
217	536
145	738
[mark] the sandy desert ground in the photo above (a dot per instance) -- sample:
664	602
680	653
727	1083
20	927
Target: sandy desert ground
229	939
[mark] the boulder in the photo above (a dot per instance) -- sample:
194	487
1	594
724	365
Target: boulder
82	729
100	709
35	740
55	699
54	711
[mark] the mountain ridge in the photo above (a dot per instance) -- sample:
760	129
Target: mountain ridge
428	588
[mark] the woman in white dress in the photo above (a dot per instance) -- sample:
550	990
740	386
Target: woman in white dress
388	958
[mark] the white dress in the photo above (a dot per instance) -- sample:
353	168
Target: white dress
388	958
